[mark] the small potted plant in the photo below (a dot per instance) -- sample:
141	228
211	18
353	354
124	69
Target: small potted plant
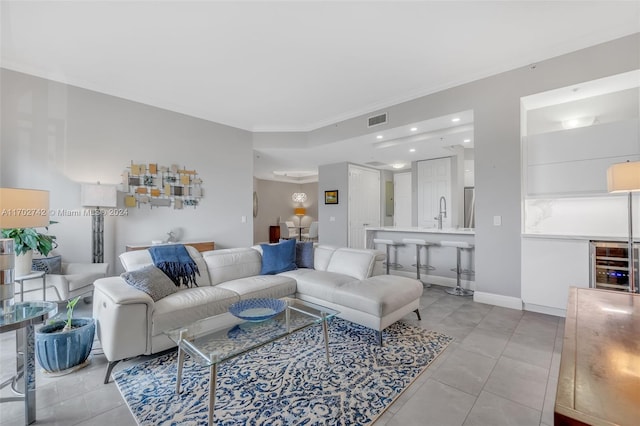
63	345
26	241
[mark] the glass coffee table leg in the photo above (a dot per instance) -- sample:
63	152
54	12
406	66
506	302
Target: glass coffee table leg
325	331
183	334
180	364
213	377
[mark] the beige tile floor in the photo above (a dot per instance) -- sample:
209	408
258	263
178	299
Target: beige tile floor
502	369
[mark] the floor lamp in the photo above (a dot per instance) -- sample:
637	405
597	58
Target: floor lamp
19	208
625	177
97	196
300	212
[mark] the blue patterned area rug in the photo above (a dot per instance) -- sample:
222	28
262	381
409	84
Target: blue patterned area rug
288	382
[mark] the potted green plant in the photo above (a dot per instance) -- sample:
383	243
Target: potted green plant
26	241
63	345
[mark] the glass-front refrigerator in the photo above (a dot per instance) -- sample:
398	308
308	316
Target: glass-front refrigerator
610	265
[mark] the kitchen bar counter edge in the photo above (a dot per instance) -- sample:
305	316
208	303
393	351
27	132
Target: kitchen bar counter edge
463	231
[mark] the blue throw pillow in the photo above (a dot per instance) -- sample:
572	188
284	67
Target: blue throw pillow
278	258
304	255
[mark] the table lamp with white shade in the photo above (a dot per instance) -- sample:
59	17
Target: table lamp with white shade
19	208
625	177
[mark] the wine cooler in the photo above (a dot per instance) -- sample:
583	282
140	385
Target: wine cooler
610	265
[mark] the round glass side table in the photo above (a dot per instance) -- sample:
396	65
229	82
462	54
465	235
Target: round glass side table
22	318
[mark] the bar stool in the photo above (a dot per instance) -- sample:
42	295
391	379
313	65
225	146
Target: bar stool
459	246
395	245
419	245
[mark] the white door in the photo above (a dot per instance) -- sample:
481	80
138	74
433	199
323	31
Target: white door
434	182
364	203
402	199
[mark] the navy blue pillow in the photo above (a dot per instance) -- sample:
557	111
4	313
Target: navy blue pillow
304	254
278	258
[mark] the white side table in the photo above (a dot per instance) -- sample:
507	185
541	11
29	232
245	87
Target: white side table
32	276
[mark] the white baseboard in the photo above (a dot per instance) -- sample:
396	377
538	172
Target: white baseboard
498	300
545	310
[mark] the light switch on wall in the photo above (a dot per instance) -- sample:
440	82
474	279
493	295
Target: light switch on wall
332	218
497	221
243	219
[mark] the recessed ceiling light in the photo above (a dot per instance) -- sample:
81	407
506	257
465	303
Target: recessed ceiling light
413	129
466	140
456	119
412	150
379	137
397	165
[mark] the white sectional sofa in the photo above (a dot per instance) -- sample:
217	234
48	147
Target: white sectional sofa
130	323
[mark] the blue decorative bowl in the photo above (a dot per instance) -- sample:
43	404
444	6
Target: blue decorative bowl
256	310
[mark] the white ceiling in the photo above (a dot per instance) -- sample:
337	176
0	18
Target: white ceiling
295	66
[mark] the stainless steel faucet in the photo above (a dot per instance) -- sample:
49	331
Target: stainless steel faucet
443	211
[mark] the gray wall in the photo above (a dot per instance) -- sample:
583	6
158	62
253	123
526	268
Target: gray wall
274	200
56	136
496	105
333	218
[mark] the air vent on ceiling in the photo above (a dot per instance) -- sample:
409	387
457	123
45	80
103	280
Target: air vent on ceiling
377	120
376	164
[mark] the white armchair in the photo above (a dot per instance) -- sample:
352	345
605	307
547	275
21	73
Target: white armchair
76	279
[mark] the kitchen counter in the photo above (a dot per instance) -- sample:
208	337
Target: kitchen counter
580	237
441	259
463	231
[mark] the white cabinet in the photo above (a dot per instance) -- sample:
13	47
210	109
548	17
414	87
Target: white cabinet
434	182
364	202
549	267
574	162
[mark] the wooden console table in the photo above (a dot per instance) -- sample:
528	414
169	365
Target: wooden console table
599	381
198	245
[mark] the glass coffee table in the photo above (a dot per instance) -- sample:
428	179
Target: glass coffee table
220	338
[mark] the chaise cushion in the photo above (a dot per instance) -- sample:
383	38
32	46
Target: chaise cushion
319	284
379	295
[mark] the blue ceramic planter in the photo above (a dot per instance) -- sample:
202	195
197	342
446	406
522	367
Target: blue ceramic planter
58	351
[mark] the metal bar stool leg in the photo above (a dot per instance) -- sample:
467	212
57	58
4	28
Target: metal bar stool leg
388	258
459	246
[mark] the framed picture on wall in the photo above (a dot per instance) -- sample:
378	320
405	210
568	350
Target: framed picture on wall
331	197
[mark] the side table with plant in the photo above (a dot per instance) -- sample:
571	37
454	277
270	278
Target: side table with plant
26	241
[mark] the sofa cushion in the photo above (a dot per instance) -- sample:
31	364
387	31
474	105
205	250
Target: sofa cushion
231	264
187	306
278	258
273	286
353	262
322	256
150	280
